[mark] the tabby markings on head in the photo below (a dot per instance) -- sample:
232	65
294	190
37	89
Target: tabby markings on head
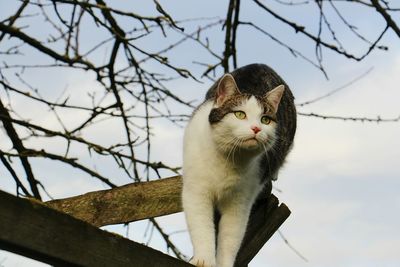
229	96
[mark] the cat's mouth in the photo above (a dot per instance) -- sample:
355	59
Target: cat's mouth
250	142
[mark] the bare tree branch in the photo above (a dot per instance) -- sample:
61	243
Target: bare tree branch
14	17
312	101
18	146
390	22
378	119
15	176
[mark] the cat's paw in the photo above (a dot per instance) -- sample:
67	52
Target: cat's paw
202	263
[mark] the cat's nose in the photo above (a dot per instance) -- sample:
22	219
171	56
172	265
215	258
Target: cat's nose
255	129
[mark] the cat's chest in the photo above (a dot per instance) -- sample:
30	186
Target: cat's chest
227	179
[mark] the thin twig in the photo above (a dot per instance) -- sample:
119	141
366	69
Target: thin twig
334	91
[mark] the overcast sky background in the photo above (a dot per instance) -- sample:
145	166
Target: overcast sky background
341	180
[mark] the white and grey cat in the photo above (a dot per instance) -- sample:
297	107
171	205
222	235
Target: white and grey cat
234	145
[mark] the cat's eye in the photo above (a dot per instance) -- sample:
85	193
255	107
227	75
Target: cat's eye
265	120
240	115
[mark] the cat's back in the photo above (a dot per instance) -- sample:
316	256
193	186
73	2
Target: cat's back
254	79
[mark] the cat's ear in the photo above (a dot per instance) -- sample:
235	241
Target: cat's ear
226	88
274	96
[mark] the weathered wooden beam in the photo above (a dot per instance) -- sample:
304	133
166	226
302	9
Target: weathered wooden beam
151	199
265	220
124	204
36	231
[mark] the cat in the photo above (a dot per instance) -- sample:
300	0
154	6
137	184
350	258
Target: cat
234	145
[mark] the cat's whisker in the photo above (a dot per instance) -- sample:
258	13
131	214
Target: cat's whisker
235	147
232	148
225	144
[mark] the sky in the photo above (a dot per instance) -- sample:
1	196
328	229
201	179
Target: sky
341	179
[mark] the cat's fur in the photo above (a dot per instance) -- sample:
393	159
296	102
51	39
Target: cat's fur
228	161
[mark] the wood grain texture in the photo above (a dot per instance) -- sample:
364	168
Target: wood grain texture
151	199
124	204
266	218
34	230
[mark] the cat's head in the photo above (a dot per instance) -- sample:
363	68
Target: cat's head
243	121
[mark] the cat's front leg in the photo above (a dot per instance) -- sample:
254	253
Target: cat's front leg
232	227
199	214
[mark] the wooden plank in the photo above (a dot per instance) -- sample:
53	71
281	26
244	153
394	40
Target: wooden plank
151	199
34	230
264	221
124	204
